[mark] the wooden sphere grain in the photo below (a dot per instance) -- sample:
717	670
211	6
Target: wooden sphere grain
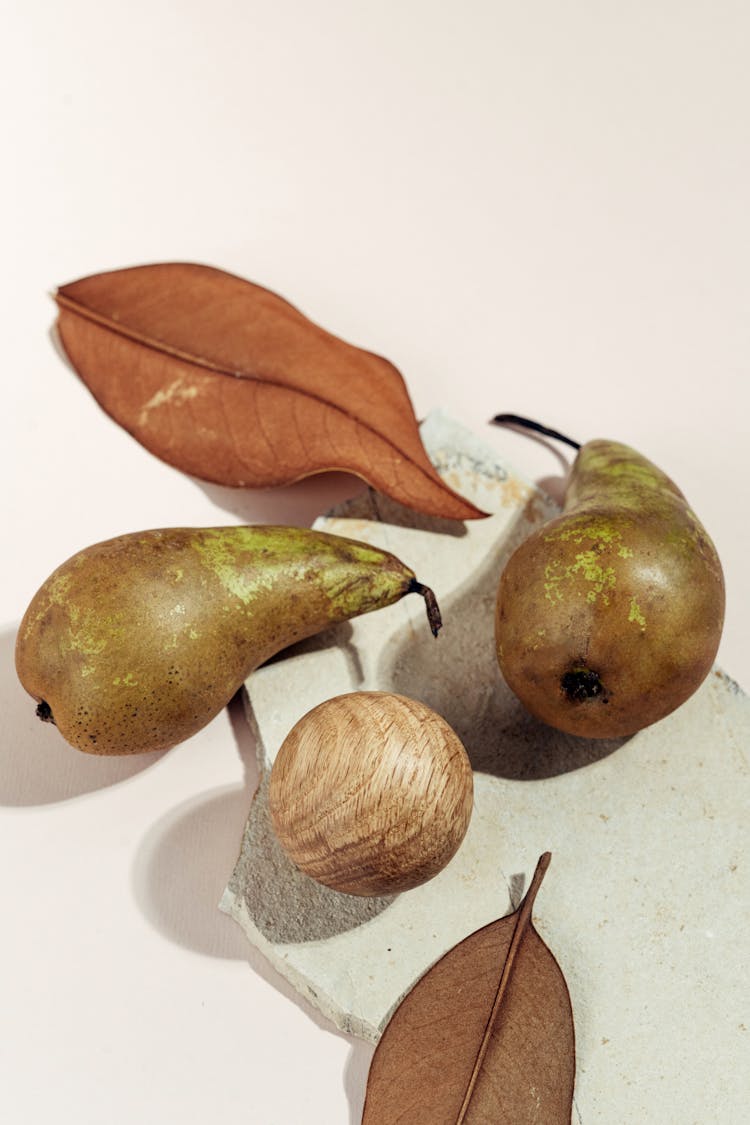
371	793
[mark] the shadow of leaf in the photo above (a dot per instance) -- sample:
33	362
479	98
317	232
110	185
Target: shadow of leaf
335	493
373	506
296	505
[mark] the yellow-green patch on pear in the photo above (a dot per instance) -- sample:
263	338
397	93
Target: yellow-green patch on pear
635	614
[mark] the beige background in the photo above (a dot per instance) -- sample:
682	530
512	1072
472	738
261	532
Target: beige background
539	208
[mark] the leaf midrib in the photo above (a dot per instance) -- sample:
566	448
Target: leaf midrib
522	925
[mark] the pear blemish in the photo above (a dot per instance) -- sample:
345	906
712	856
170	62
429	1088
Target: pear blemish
609	617
580	684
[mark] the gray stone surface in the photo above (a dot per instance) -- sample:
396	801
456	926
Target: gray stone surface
647	898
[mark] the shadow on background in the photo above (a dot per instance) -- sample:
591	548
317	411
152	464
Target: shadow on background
184	861
181	870
182	867
554	487
338	494
295	505
377	508
189	855
37	766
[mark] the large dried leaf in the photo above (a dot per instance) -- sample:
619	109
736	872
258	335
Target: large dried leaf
229	382
485	1037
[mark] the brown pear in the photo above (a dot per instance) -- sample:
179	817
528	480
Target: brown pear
609	617
136	643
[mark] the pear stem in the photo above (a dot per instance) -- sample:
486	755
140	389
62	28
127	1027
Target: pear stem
430	601
528	424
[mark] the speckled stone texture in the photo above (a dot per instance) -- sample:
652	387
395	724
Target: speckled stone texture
646	902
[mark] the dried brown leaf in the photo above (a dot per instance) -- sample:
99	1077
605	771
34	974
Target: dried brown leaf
229	382
485	1037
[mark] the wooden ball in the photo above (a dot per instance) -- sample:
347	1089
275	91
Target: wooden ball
371	793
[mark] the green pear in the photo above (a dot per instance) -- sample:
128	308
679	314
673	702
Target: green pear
136	643
609	617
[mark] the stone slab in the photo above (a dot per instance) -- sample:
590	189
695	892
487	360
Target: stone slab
647	899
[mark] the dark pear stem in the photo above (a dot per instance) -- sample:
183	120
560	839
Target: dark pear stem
537	427
430	601
44	712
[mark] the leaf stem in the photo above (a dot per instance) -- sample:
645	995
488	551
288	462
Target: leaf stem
522	921
537	427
